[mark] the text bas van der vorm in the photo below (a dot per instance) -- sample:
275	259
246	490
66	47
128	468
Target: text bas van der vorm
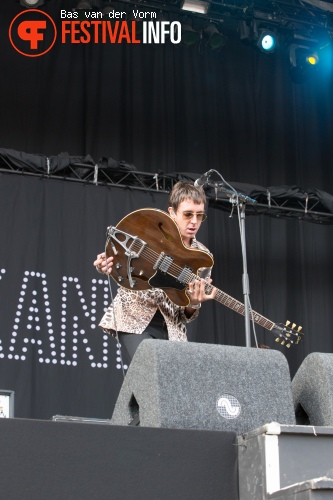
94	28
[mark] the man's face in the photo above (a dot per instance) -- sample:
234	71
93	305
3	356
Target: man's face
188	225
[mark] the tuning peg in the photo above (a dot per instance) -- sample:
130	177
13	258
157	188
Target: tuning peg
283	342
299	329
287	334
277	339
294	324
288	345
287	323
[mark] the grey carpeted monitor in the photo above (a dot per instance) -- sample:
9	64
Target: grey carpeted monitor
203	386
312	389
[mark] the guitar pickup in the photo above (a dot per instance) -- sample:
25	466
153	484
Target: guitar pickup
185	274
163	262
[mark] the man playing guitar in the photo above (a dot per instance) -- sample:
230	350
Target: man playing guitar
136	315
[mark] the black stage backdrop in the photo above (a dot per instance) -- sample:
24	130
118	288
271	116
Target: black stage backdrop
167	107
162	108
53	354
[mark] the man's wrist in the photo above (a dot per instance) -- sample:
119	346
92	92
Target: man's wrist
195	306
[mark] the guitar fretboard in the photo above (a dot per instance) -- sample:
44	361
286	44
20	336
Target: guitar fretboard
238	307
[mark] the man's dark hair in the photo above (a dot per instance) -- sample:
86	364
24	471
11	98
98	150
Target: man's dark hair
182	191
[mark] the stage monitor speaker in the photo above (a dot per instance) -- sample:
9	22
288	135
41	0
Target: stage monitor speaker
202	386
312	389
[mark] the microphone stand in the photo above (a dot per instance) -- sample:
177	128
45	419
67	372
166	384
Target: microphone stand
246	284
240	200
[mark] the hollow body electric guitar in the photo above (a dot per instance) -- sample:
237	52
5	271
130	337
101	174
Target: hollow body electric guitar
148	252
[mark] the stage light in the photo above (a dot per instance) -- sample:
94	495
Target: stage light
189	36
197	6
301	56
89	4
107	9
31	4
312	59
215	39
84	4
267	41
304	62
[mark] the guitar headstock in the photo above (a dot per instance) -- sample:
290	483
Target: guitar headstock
288	334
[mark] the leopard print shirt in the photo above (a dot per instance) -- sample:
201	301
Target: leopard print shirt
132	311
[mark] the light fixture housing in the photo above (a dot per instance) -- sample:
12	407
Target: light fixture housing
89	4
190	36
197	6
214	39
304	59
84	5
302	56
31	4
107	8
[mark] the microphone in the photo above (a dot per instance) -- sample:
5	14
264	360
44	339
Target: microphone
203	179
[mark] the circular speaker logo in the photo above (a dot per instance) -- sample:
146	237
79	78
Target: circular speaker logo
228	406
32	33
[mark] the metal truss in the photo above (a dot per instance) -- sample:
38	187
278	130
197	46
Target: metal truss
311	207
280	209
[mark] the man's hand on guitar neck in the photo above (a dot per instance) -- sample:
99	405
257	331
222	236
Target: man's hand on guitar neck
102	264
197	294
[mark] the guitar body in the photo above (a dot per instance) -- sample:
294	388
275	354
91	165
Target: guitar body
162	237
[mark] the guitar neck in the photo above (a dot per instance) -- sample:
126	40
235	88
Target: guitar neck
238	307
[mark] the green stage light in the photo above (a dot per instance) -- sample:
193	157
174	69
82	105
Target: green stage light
190	36
215	39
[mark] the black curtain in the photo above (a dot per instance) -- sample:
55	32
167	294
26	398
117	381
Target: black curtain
53	354
162	108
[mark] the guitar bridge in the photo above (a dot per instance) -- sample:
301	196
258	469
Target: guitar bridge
132	250
133	247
